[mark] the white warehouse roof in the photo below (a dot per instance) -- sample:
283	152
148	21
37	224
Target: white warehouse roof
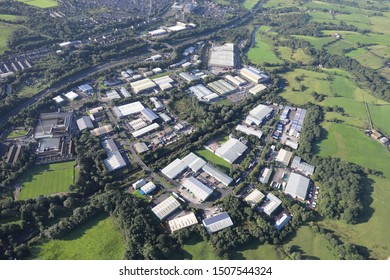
297	186
128	109
217	222
199	190
114	161
218	175
284	156
142	85
222	56
273	203
84	122
260	112
166	207
146	129
254	197
173	169
182	222
71	95
231	150
249	130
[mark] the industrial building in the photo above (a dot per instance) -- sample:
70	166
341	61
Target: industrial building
236	80
217	174
265	176
49	145
142	85
114	159
203	93
249	130
272	204
166	207
231	150
125	92
71	95
297	122
138	124
102	130
140	148
254	197
257	88
58	99
297	186
291	144
192	161
141	182
128	109
258	114
182	222
84	122
282	221
253	75
87	89
165	117
157	32
145	130
284	157
149	115
113	94
222	87
217	222
164	83
147	188
55	124
197	188
222	56
188	77
96	114
285	113
158	106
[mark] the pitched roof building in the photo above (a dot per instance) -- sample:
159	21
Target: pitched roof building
217	222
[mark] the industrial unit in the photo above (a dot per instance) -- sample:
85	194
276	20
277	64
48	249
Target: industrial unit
222	56
197	188
254	197
128	109
231	150
84	122
272	204
253	75
217	222
182	222
258	114
145	130
222	87
142	85
297	186
203	93
217	174
102	130
284	157
249	130
166	207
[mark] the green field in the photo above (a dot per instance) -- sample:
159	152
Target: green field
262	52
8	17
256	252
96	240
311	245
41	3
214	159
199	250
350	143
249	4
47	179
17	133
5	31
380	117
316	42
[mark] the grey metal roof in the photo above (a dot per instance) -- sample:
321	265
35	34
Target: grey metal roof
297	186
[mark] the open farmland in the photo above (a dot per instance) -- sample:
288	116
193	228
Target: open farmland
262	52
5	31
41	3
47	179
96	240
199	250
8	17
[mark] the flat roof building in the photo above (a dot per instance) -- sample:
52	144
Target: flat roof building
102	130
291	144
217	222
217	174
147	188
58	99
231	150
249	130
197	188
188	77
157	32
128	109
272	204
86	88
258	114
257	88
253	75
166	207
138	124
145	130
203	93
164	83
236	80
140	148
84	122
282	221
221	87
302	166
149	115
71	95
114	161
265	176
297	186
222	56
284	157
113	94
254	197
142	85
182	222
192	161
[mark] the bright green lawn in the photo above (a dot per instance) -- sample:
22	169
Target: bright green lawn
200	250
41	3
8	17
285	53
249	4
17	133
5	32
311	245
214	159
262	52
316	42
96	240
380	115
350	143
47	179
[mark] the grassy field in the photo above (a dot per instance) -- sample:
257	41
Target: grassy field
262	52
96	240
214	159
47	179
311	245
380	117
256	252
17	133
8	17
199	250
316	42
300	56
41	3
249	4
5	31
285	53
347	143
